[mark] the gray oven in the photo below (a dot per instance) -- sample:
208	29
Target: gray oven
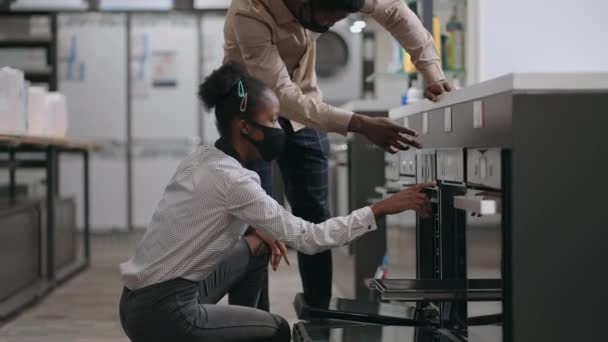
508	243
482	205
401	236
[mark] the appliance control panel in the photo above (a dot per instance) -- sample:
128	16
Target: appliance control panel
407	163
484	167
426	164
450	165
391	171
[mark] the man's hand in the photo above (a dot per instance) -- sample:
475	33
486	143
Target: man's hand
384	133
277	248
434	90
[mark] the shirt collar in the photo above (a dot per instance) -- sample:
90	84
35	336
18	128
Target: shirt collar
280	12
224	145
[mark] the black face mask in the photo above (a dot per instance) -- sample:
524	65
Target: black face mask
306	17
273	143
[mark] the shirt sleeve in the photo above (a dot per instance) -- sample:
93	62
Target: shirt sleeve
403	24
262	59
247	201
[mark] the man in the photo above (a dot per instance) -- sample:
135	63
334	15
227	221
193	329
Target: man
275	40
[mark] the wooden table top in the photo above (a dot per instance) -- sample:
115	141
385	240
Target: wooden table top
67	143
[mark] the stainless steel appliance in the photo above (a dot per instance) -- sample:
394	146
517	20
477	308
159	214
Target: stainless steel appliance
401	232
98	113
363	333
339	64
513	250
401	314
359	260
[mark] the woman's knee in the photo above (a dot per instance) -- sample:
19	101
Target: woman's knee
283	333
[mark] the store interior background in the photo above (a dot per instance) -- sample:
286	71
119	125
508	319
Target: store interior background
130	71
161	124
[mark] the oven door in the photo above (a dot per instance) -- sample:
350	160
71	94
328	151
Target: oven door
401	240
483	254
484	233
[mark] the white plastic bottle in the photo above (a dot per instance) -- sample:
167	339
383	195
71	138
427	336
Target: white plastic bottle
13	101
414	94
37	111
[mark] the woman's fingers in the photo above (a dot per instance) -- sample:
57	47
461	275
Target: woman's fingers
420	205
423	186
273	262
279	251
283	249
276	254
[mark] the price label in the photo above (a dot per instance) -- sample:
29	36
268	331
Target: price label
425	123
447	120
478	117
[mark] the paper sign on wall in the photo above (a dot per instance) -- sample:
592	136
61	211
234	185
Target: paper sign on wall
74	67
164	69
139	60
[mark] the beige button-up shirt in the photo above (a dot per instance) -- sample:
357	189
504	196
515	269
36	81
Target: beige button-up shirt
267	38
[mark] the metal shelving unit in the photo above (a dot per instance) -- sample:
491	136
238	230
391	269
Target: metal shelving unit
50	254
48	74
427	10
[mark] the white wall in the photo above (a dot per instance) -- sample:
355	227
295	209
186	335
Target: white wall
542	36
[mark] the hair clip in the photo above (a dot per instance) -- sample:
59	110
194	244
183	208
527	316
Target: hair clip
241	89
243	95
244	103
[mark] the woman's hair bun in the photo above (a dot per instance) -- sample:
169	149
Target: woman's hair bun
219	84
221	91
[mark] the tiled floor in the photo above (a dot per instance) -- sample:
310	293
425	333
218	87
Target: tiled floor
86	308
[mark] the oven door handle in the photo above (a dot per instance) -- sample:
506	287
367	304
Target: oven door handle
385	192
478	205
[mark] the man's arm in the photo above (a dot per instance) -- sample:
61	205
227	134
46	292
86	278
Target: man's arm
262	59
263	62
403	24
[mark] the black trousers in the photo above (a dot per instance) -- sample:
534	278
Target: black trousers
304	167
182	310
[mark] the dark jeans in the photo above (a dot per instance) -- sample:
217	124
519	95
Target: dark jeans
304	166
182	310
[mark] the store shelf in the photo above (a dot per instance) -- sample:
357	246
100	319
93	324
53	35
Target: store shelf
35	31
37	141
388	75
46	71
404	76
454	71
49	5
25	43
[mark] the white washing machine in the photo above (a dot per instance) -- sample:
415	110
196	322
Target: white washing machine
340	64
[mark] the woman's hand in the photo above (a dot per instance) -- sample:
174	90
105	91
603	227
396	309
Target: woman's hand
410	199
277	248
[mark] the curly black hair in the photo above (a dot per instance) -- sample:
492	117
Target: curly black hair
220	90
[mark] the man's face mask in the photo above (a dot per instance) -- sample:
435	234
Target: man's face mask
306	17
317	18
273	143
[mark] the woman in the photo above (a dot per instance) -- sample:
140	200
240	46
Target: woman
196	250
